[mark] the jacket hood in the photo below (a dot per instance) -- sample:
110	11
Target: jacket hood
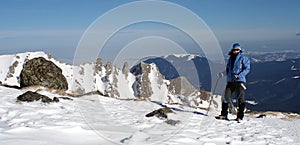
230	52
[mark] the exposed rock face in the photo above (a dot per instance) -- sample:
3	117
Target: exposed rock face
39	71
187	93
30	96
111	80
142	83
12	69
125	69
181	86
98	66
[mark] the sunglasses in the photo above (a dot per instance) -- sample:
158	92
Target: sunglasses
236	50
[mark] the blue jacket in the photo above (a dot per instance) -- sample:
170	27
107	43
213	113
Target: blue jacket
241	68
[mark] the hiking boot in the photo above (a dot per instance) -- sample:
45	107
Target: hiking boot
238	120
222	117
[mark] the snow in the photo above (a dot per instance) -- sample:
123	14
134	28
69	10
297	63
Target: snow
251	102
95	119
160	90
296	77
125	86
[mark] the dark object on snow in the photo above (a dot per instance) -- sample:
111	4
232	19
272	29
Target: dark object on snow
41	72
261	116
172	122
221	117
160	113
30	96
66	98
55	99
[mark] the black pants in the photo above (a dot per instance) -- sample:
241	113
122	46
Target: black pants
234	87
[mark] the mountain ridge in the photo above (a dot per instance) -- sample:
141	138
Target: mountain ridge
106	79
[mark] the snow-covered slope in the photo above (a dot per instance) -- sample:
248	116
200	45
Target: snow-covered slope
81	79
94	120
105	79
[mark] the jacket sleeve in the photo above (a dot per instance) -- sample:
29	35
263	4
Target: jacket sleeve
246	67
227	66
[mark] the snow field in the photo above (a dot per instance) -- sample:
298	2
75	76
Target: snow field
96	120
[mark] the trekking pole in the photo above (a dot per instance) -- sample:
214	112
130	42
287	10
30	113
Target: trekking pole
212	96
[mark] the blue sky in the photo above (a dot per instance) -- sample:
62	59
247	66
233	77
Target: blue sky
56	26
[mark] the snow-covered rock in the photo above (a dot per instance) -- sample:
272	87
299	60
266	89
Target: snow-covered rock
142	82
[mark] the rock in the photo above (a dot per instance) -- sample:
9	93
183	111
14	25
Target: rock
98	66
172	122
142	82
41	72
181	86
30	96
125	69
65	98
55	99
160	113
261	116
111	80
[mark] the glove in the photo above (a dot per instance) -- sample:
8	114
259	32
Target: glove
220	75
235	77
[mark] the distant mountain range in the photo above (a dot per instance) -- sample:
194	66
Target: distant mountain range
273	84
273	56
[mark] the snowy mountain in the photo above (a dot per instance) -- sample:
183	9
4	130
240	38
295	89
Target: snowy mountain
101	107
275	85
272	56
194	68
272	84
143	82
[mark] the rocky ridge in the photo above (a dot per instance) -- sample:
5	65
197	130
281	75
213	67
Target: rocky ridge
141	82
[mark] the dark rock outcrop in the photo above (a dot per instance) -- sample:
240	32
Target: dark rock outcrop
160	113
41	72
111	80
30	96
142	83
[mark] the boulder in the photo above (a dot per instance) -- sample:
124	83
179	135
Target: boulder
160	113
30	96
41	72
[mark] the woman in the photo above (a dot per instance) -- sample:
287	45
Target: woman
238	66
